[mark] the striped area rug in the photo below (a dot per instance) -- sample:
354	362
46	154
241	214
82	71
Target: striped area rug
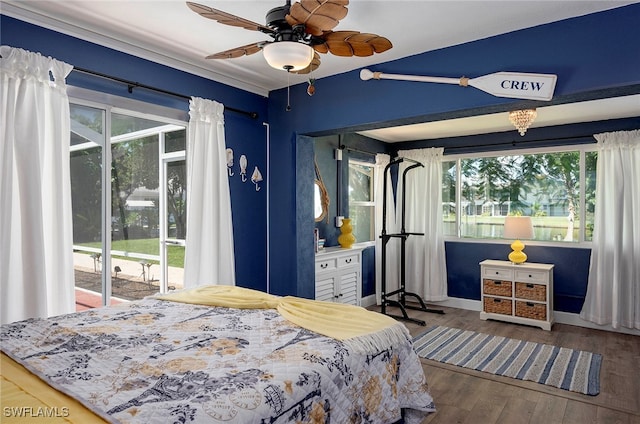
568	369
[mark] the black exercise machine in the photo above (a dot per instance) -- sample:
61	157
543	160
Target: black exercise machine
403	235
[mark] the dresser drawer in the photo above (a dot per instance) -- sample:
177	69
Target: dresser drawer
328	264
531	310
349	260
497	273
529	276
531	291
496	287
496	305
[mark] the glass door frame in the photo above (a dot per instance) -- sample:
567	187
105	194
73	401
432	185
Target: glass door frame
105	196
165	240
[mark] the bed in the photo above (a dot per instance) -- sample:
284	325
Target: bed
214	354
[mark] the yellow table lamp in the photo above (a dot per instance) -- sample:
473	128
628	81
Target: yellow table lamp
518	227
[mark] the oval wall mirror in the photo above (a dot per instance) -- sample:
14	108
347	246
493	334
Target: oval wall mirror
320	201
320	197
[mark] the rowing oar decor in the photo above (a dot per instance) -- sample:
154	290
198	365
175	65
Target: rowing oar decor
501	84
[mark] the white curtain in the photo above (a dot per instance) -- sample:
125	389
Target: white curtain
425	268
613	291
209	257
393	246
36	233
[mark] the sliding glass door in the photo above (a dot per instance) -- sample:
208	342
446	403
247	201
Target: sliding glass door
125	203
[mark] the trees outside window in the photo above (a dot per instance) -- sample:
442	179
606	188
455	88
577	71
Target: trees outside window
555	188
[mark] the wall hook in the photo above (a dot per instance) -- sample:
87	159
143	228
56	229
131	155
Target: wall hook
230	162
256	177
243	168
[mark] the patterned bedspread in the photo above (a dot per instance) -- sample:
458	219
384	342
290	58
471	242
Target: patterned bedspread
156	361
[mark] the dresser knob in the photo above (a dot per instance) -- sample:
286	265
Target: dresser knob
323	266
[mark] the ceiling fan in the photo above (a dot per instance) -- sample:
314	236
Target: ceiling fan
299	31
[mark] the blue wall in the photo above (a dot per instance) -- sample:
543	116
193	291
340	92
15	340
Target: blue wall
589	63
591	56
243	134
570	272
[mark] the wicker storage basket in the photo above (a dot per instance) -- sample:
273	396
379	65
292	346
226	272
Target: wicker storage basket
531	291
495	305
497	287
531	310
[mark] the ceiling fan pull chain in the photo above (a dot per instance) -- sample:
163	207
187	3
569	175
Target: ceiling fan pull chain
288	92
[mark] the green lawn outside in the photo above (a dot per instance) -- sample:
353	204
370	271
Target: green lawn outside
175	254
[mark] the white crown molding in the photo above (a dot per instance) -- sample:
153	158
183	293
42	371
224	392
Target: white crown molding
20	11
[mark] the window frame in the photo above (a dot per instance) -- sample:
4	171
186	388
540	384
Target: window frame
583	149
371	203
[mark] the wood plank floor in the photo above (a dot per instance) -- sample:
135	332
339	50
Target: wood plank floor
468	396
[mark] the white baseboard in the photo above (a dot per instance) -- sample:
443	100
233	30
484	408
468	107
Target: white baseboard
367	301
574	319
459	303
560	317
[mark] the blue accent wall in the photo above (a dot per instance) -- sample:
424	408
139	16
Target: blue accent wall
592	55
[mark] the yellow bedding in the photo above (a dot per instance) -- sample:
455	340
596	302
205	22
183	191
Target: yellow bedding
27	399
348	323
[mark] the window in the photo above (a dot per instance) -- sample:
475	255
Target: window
555	187
361	200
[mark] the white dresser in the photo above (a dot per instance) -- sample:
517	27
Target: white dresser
521	293
339	275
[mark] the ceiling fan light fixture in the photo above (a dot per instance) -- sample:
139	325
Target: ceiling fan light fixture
522	119
288	55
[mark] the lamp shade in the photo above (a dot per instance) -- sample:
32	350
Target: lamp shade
288	55
518	227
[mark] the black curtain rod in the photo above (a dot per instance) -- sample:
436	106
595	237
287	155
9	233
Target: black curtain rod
515	143
353	149
131	85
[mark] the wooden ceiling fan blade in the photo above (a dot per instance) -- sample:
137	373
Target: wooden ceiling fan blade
321	47
238	51
378	44
318	16
340	48
354	43
227	18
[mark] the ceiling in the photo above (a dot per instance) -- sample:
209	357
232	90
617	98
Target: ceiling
570	113
168	32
